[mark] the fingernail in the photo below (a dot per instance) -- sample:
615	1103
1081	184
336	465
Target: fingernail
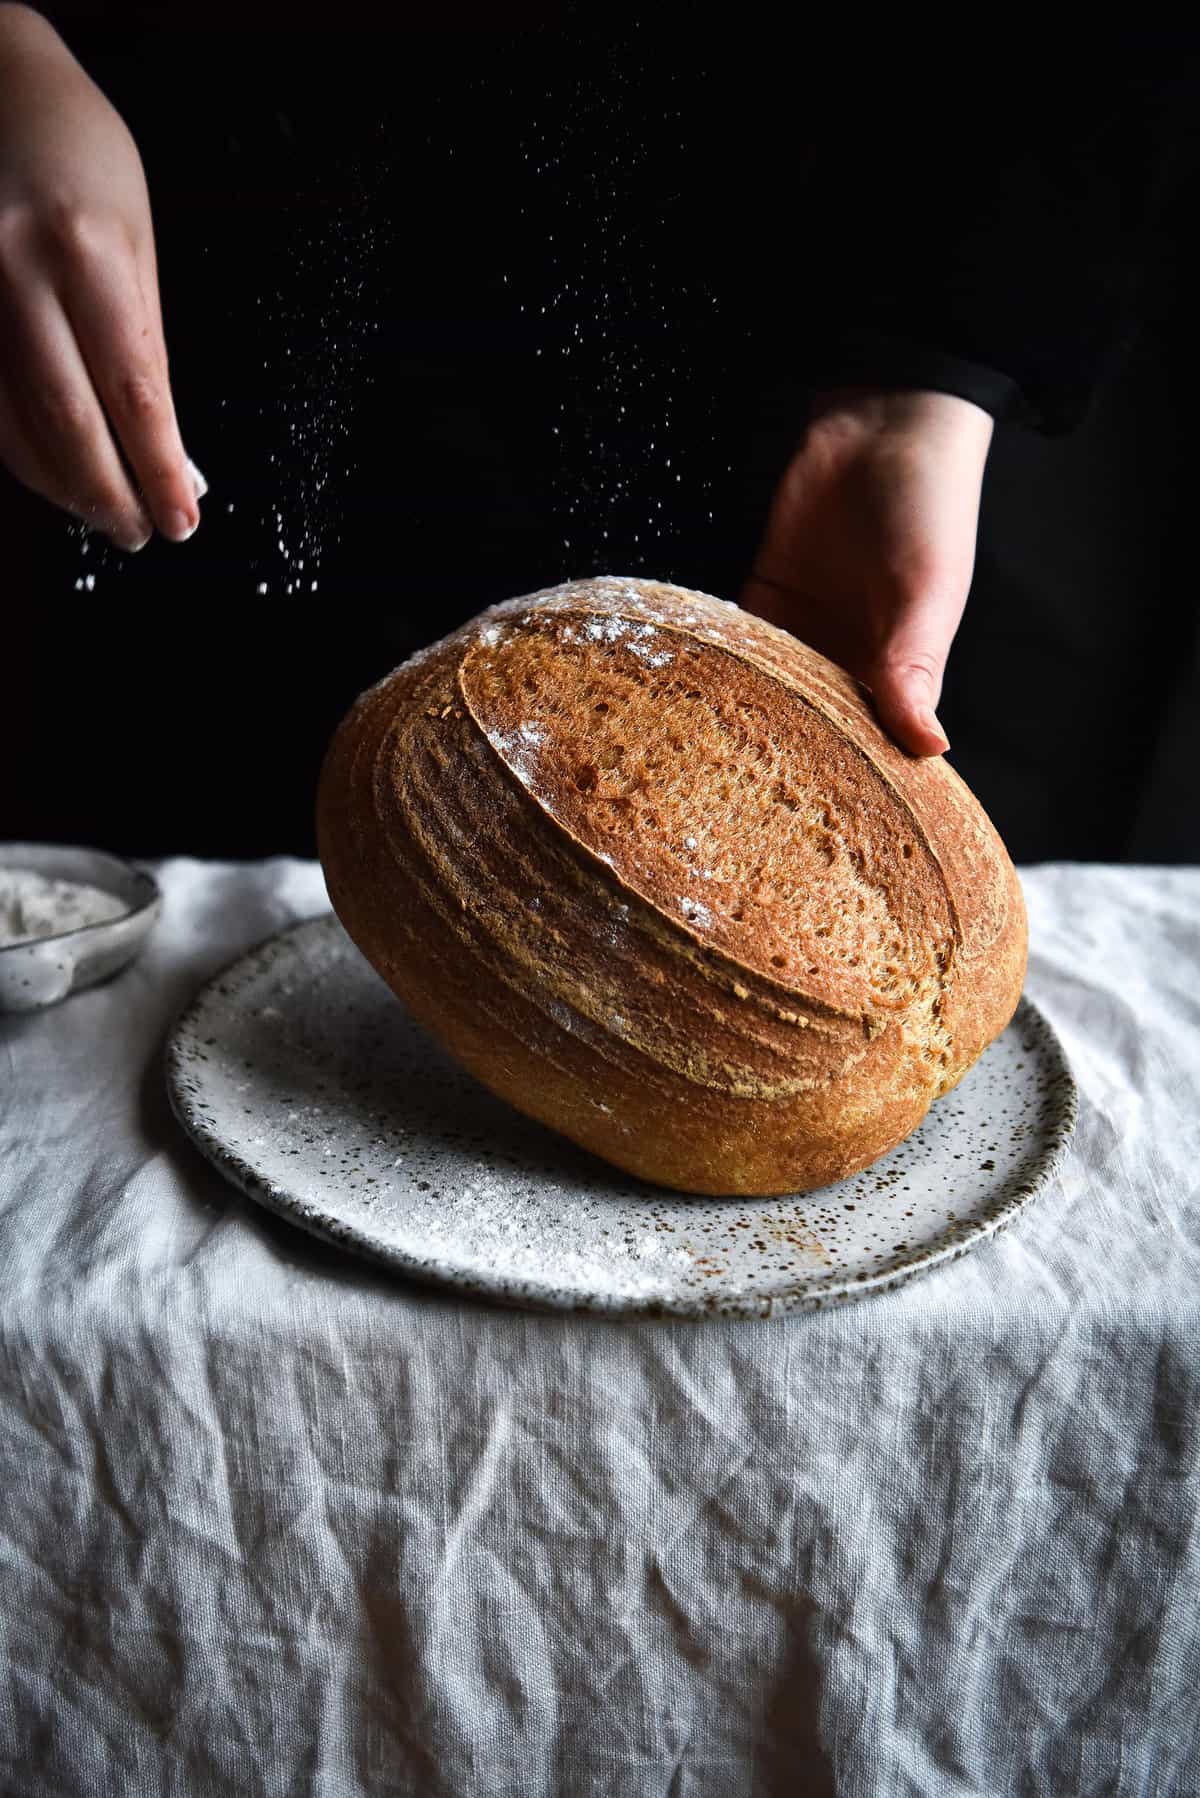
178	526
132	535
929	719
198	480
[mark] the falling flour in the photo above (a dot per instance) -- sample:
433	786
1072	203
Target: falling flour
33	906
318	336
605	299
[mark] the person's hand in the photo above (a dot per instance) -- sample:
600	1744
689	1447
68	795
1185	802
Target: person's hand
83	365
870	546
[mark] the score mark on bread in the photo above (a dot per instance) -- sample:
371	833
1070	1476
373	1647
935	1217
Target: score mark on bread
651	870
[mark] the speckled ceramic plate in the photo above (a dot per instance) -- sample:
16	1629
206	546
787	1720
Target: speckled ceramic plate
303	1079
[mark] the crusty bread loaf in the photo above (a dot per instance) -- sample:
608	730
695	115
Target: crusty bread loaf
650	869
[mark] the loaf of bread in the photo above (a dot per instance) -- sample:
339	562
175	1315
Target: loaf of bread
650	869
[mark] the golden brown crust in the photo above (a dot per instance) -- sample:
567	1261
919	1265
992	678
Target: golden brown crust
651	870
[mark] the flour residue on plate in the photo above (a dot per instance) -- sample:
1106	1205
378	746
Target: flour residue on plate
303	1079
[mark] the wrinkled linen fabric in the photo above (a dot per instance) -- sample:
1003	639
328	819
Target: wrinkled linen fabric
275	1522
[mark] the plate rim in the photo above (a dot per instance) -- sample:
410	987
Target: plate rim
534	1296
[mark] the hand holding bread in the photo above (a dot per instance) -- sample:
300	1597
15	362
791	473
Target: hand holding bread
869	545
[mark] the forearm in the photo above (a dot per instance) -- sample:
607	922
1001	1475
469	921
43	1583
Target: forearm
34	41
23	32
39	79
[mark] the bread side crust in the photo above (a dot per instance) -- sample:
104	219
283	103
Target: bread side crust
580	999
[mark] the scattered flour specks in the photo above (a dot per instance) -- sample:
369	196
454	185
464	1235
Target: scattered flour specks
652	659
317	333
516	748
606	630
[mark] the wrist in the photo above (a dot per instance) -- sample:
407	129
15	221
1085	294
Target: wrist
901	408
27	38
18	23
845	417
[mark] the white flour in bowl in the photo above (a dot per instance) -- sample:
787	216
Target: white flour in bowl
33	906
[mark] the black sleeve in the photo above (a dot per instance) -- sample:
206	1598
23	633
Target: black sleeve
894	209
975	222
1004	254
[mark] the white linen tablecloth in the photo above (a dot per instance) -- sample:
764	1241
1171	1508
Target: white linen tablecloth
274	1522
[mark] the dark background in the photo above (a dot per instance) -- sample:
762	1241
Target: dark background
358	230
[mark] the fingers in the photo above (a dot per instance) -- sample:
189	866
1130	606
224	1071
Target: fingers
53	433
770	599
19	456
117	325
869	547
908	720
83	368
905	677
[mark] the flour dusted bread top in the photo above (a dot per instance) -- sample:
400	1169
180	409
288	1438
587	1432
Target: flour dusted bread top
650	868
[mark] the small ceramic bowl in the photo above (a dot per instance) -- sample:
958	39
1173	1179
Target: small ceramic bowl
48	968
